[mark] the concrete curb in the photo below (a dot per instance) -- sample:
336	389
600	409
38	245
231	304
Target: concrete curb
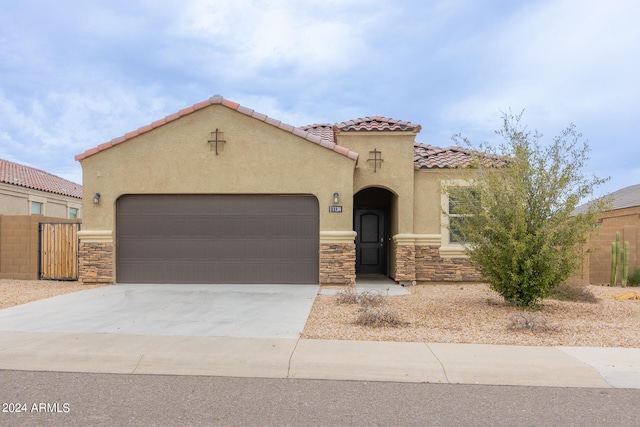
321	359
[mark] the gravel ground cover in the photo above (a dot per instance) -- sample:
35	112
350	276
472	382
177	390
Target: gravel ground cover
475	314
16	292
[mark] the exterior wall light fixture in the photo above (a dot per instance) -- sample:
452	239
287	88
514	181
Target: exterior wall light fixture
96	198
336	198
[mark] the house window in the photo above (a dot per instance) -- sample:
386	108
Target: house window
73	213
36	208
454	217
457	195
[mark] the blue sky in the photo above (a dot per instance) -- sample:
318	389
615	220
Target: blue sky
75	74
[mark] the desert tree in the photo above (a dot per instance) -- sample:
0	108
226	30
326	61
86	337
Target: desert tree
517	215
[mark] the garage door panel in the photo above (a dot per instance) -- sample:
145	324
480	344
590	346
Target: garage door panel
226	272
244	249
217	239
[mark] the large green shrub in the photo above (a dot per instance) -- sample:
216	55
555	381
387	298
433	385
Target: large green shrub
518	219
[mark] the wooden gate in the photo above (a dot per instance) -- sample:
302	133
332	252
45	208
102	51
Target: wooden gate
59	251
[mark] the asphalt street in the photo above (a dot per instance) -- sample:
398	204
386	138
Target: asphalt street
85	399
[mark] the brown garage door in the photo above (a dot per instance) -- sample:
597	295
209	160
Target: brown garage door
217	239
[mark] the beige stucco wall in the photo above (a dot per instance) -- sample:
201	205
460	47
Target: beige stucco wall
176	158
16	200
427	207
395	173
428	197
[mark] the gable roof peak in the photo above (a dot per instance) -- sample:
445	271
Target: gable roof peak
219	100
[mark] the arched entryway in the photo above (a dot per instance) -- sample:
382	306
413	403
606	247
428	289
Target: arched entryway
372	211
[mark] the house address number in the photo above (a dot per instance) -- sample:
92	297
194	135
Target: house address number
335	209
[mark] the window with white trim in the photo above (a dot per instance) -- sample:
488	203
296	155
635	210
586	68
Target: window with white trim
455	214
453	244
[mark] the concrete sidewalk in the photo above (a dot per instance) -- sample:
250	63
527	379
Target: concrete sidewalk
320	359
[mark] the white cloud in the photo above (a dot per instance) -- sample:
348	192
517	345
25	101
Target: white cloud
272	107
563	61
76	75
243	37
48	131
586	53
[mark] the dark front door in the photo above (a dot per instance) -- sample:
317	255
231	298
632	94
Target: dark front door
371	244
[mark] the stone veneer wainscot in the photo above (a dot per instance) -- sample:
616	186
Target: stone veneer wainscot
95	256
337	257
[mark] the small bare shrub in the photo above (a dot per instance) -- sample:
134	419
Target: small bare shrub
576	293
378	317
526	320
364	298
348	296
371	299
373	310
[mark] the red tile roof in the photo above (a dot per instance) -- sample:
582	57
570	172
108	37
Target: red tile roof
431	157
28	177
377	123
218	100
324	131
425	156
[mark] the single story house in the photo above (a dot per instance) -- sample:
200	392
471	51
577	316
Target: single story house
31	197
623	217
219	193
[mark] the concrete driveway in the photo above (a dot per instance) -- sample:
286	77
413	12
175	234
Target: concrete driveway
261	311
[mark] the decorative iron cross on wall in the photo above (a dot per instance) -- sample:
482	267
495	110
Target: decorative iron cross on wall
216	137
375	156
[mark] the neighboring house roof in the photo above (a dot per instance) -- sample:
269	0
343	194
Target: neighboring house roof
28	177
219	100
627	197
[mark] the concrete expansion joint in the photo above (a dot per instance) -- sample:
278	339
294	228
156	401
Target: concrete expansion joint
444	370
135	368
291	357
